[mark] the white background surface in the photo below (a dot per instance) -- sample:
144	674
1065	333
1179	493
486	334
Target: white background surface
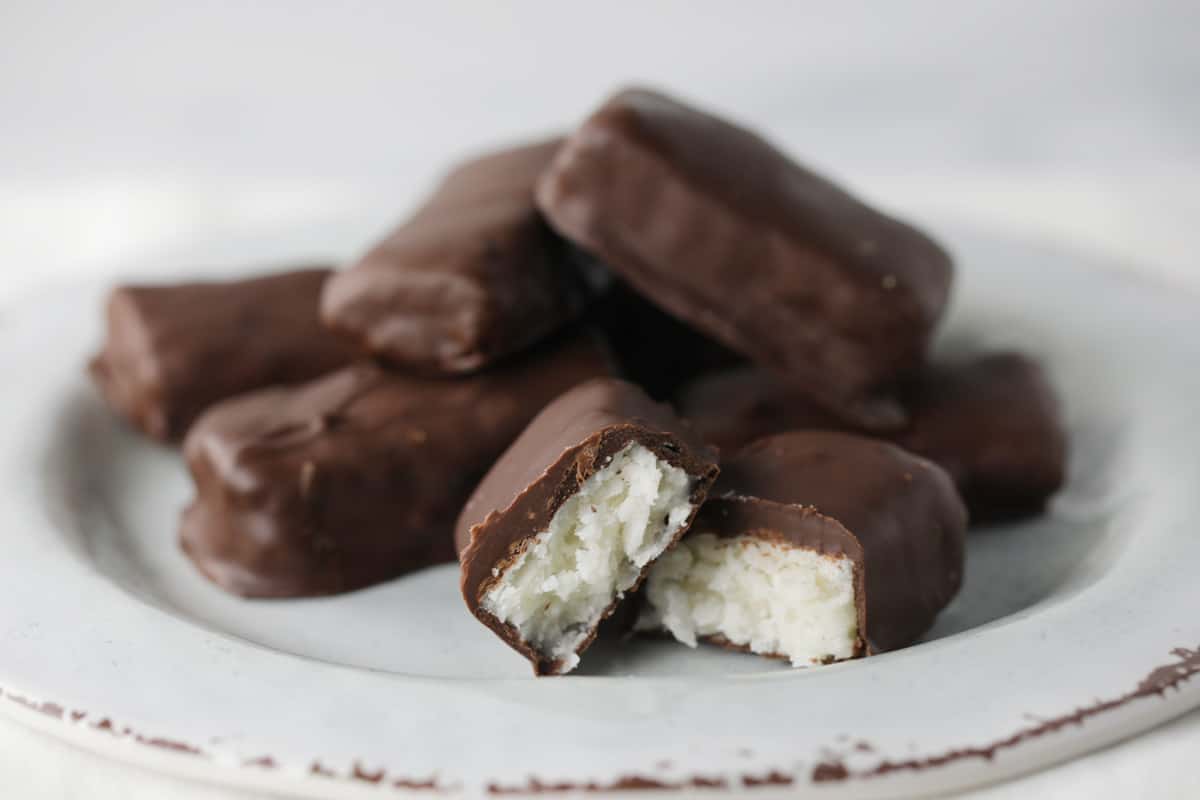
128	127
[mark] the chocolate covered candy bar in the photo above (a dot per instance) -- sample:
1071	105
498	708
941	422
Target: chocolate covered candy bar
995	425
568	520
992	422
474	276
720	229
173	351
814	547
357	477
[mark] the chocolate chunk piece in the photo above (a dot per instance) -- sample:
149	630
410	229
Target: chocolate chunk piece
723	231
568	520
813	545
173	351
995	425
992	422
358	477
474	276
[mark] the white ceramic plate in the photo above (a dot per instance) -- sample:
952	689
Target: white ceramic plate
1072	631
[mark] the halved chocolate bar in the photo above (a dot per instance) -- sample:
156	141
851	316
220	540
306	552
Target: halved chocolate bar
814	547
566	523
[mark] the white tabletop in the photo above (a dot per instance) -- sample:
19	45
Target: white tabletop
129	127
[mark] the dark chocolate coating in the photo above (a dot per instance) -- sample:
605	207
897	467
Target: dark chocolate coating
992	422
572	439
173	351
900	509
995	425
358	477
474	276
720	229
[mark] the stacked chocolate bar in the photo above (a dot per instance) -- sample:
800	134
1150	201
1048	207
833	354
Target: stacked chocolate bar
486	379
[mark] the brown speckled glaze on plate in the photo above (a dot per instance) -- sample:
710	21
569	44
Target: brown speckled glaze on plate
825	768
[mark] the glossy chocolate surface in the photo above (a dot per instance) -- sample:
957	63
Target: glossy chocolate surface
174	350
473	276
992	422
723	231
357	477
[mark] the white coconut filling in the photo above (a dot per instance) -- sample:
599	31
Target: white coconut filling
772	598
596	545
